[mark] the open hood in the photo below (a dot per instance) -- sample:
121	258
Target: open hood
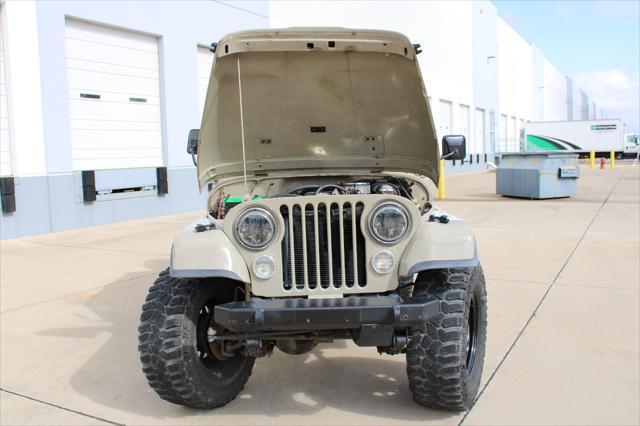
316	99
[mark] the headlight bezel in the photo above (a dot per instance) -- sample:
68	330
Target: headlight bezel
268	215
384	204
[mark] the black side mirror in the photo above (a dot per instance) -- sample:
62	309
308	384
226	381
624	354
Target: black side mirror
192	141
192	144
454	147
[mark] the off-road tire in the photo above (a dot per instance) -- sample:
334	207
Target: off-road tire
437	350
168	349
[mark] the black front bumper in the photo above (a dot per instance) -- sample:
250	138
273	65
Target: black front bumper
299	314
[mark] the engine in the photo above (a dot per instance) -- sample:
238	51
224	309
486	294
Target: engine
221	201
389	186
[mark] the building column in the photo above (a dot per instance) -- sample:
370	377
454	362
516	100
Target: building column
24	88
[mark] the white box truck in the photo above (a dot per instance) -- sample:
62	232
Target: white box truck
632	145
581	136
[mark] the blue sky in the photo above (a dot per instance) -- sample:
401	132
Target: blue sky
596	43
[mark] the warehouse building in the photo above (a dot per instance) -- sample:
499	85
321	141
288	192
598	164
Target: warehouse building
97	97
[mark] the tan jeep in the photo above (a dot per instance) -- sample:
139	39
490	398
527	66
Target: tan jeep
319	155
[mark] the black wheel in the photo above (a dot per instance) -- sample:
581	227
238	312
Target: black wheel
445	356
179	362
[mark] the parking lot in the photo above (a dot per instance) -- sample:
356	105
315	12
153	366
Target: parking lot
563	279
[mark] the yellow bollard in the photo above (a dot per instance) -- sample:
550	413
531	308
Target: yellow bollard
592	160
613	160
441	186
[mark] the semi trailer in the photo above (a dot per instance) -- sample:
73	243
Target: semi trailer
581	136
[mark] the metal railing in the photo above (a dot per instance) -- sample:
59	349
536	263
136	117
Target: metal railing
505	145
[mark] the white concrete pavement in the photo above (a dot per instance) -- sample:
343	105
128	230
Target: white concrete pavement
563	279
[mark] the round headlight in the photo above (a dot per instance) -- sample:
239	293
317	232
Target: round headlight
389	223
255	228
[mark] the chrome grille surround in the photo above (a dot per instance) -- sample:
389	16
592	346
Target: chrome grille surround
323	245
332	256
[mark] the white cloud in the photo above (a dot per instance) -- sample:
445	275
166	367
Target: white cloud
611	89
615	92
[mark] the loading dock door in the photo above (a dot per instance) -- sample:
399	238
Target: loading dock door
464	124
5	142
445	122
478	142
114	97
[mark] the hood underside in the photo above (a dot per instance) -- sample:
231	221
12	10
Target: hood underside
321	99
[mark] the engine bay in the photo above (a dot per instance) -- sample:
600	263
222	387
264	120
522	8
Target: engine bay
223	198
387	185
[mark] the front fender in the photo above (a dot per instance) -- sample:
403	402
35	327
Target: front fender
206	254
438	245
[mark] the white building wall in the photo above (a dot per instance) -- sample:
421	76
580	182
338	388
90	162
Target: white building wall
555	93
515	59
180	29
515	68
577	103
6	162
484	41
482	79
446	67
48	190
205	61
537	84
25	102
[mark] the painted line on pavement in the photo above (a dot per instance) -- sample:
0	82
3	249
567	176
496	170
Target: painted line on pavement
61	408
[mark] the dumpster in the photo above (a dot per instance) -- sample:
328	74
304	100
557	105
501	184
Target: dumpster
538	175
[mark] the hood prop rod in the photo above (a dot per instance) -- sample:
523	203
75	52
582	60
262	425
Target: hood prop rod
244	157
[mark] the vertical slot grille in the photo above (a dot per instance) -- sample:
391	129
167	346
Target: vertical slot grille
287	279
336	245
312	263
323	246
360	250
297	246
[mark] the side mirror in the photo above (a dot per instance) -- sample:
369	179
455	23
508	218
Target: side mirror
192	141
454	147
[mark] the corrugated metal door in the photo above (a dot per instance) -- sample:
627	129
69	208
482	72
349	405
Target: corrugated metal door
5	141
205	60
478	142
114	97
464	123
445	122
